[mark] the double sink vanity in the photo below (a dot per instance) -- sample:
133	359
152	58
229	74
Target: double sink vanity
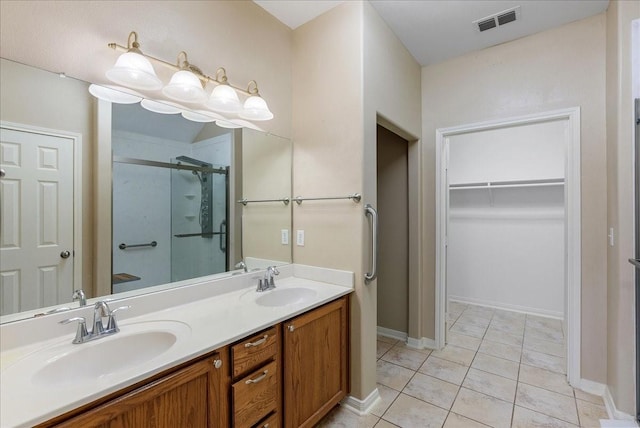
216	353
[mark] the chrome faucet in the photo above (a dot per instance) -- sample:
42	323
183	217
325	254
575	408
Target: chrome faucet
79	295
267	283
100	310
242	265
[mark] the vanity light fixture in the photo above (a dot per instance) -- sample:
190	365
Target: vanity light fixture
133	69
115	94
255	107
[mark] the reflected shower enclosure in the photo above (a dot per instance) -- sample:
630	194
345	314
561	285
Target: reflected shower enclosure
171	188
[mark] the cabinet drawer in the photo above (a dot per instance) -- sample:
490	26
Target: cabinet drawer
255	396
273	421
253	351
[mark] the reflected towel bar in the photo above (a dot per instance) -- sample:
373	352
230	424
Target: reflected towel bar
247	201
124	246
355	198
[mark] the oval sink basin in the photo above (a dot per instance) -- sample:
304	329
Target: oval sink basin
66	364
286	296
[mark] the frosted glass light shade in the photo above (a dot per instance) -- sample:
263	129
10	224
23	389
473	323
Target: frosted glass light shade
135	71
160	107
255	108
224	99
186	87
229	124
115	94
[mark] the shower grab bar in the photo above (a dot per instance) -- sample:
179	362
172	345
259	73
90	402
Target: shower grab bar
181	166
223	226
371	212
247	201
188	235
124	246
356	197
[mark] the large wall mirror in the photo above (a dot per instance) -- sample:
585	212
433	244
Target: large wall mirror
119	200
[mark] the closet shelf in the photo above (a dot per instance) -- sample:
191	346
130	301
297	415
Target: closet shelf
507	184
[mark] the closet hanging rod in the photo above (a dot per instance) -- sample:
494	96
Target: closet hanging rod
356	197
505	184
247	201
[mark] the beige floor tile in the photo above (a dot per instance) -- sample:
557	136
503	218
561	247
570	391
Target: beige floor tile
403	345
393	376
483	408
341	417
544	361
404	357
468	329
495	365
590	414
457	421
387	395
451	318
386	339
455	354
382	347
547	402
407	411
507	327
556	382
479	311
525	418
444	370
502	315
431	390
490	384
474	321
456	307
501	350
585	396
464	341
384	424
544	334
502	337
544	346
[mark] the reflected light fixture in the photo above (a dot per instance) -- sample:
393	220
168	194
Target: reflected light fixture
224	98
255	107
185	85
162	107
133	69
115	94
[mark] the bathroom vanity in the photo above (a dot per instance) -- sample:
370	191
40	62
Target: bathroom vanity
238	358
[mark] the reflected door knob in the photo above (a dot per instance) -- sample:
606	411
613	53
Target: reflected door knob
65	254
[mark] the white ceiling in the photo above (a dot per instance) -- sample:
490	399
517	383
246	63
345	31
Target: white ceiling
436	30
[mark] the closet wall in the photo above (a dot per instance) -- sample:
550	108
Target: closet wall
506	218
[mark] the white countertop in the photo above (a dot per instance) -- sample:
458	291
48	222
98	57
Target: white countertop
201	326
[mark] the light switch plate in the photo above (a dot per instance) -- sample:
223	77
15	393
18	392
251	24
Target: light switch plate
300	238
284	236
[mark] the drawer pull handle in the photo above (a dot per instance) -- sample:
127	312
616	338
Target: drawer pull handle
258	379
257	342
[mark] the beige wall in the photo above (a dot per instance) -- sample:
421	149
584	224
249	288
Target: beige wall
72	36
34	97
620	197
559	68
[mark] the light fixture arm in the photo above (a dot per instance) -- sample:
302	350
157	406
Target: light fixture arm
134	46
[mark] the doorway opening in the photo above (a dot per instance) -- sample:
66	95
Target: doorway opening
562	204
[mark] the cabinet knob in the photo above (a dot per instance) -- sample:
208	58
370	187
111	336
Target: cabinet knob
291	327
217	363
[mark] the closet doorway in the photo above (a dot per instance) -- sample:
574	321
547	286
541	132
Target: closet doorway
392	168
508	221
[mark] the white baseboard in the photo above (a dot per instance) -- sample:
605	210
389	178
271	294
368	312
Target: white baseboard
613	411
507	307
361	407
394	334
423	343
594	388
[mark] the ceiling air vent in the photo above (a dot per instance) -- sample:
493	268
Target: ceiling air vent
497	19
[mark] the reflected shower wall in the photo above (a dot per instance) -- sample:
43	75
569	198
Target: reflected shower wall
184	211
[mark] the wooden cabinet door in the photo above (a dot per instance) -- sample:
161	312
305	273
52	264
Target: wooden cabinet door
195	396
315	363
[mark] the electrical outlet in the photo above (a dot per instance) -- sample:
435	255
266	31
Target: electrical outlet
284	236
300	238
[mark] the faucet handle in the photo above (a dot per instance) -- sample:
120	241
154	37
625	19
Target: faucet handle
81	332
111	323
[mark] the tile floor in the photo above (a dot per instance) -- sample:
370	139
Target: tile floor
499	369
